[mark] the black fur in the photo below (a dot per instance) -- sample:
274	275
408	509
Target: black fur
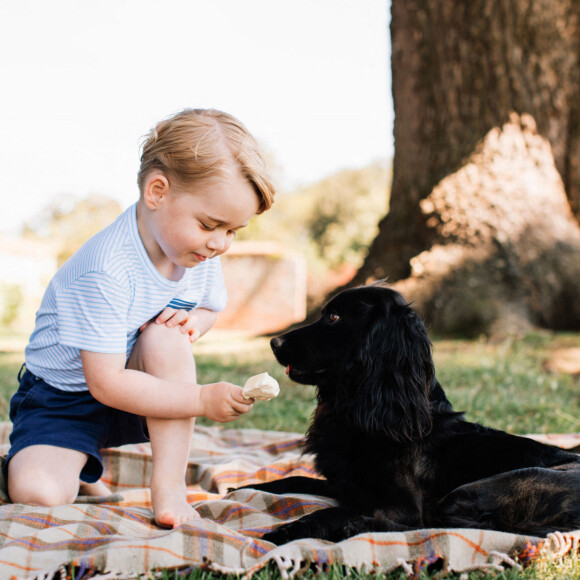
394	453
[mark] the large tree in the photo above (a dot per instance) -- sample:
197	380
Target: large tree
481	231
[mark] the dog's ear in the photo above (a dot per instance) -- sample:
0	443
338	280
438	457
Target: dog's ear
386	388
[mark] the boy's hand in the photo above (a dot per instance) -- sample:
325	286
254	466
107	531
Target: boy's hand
223	402
183	318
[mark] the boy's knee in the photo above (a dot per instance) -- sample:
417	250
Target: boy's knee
42	491
159	347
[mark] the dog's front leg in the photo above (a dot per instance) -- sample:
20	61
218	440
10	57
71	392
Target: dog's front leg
326	524
295	484
379	521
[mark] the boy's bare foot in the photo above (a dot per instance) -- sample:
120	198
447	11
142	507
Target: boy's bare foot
98	489
171	507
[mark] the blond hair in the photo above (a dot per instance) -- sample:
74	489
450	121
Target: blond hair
198	144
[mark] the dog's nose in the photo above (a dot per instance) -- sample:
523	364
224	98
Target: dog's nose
276	342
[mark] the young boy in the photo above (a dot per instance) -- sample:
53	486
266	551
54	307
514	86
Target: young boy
112	341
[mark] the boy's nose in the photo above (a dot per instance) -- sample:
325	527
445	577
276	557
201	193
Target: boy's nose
218	242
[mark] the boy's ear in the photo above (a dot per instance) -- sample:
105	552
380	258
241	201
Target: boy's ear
156	189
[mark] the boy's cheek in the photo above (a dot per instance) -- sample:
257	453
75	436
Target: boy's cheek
227	245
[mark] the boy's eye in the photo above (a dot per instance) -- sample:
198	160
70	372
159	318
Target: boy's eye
206	227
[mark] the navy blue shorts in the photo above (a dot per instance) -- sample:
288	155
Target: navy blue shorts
43	415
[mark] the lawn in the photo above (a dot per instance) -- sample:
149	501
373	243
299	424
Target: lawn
502	384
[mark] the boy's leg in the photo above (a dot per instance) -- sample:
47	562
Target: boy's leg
166	353
45	475
170	444
98	489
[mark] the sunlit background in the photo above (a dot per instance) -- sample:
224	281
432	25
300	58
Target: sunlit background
83	81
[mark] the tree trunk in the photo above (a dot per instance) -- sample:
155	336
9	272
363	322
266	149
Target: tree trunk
481	232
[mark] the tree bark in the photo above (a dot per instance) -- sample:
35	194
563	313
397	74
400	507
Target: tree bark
481	231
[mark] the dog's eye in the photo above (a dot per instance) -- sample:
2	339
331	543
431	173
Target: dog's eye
333	317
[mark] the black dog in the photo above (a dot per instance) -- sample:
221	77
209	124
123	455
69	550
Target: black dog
394	453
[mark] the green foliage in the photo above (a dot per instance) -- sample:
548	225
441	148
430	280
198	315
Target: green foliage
333	221
72	221
346	209
11	302
10	363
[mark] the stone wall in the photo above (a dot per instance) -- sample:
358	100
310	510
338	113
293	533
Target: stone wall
266	288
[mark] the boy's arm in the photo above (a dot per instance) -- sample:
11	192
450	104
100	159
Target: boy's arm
143	394
205	319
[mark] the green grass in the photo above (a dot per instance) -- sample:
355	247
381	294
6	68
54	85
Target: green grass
234	360
561	569
10	363
565	569
505	386
501	384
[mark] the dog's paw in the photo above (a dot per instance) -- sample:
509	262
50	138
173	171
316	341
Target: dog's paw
278	536
269	487
285	533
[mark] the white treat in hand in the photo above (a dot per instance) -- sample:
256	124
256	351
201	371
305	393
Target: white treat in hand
261	386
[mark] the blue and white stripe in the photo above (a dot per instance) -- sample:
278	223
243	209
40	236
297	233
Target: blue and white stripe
103	294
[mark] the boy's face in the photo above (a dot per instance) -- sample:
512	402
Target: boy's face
187	224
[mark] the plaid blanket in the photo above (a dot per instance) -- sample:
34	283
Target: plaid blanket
117	535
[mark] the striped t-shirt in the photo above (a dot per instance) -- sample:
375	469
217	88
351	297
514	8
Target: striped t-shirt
103	294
